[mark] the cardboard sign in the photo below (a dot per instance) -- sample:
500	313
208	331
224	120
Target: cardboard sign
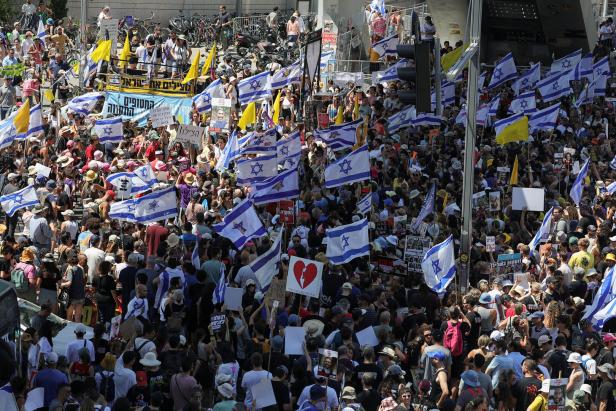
217	321
233	298
530	198
276	292
414	250
190	134
293	339
221	113
490	243
42	170
161	116
109	30
304	277
328	363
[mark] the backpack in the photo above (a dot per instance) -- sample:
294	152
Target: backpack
558	362
107	387
453	339
18	277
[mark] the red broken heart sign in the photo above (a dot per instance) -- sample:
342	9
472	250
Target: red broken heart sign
304	274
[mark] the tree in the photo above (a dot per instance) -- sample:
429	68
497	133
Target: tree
59	8
6	12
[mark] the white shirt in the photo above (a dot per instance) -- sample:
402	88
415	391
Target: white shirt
252	378
124	379
144	346
95	257
28	9
73	348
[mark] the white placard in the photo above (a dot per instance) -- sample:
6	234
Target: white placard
490	243
293	339
109	27
190	134
531	198
35	399
263	393
42	170
161	116
304	277
342	78
367	337
233	298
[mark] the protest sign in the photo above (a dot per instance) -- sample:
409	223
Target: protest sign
137	107
328	363
190	134
495	200
221	113
233	298
42	170
323	119
505	266
420	230
502	175
367	337
389	265
293	340
161	116
108	30
556	396
490	243
263	393
276	292
414	250
480	200
287	212
217	321
530	198
304	276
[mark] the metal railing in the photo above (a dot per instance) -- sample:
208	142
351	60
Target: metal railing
253	25
357	66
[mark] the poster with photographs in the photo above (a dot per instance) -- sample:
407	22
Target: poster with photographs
495	200
221	113
490	243
414	250
480	200
556	397
502	175
420	230
389	265
400	225
505	266
328	363
558	162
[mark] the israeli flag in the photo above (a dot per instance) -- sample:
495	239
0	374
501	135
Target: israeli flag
555	87
123	211
427	120
578	184
401	119
461	117
493	106
544	119
439	266
599	85
26	197
284	186
544	231
352	168
601	66
203	100
391	73
603	298
146	174
40	32
259	143
325	57
583	69
528	79
129	183
109	130
36	121
387	46
339	137
347	242
524	103
252	170
267	265
156	206
483	116
587	95
241	224
504	70
218	295
378	5
481	81
427	208
448	95
289	147
229	153
257	87
566	63
85	103
612	187
8	132
604	314
364	206
288	75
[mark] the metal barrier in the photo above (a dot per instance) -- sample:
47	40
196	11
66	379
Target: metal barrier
357	66
253	25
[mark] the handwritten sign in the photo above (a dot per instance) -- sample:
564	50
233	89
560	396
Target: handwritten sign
190	134
217	321
161	116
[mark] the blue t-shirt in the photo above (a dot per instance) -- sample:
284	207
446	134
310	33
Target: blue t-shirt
499	364
51	380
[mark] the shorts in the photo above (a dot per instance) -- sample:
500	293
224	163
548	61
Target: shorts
80	301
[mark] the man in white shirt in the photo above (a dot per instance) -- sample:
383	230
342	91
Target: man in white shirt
73	348
253	377
332	398
27	44
103	15
125	378
144	343
95	256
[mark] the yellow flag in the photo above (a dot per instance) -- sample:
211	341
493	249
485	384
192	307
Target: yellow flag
340	115
513	180
208	60
193	70
445	198
125	53
449	59
249	116
515	131
102	51
49	95
22	118
276	113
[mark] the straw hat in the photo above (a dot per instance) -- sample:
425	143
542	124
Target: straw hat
91	175
27	256
189	178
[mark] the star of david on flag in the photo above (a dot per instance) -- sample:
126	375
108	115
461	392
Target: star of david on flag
36	121
26	197
255	88
109	130
85	103
524	103
567	62
156	206
203	101
288	75
266	266
528	79
289	150
284	186
352	168
504	70
252	170
347	242
339	137
241	224
439	266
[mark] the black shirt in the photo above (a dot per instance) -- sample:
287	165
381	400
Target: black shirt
104	285
606	393
369	399
281	392
525	391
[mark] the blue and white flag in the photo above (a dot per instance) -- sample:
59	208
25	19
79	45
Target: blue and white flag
128	184
259	143
194	258
483	115
613	163
284	186
391	73
288	75
427	208
364	206
203	100
109	130
387	46
587	95
26	197
448	95
555	87
85	103
146	173
156	206
401	119
524	103
241	224
601	66
604	314
504	70
611	188
603	298
289	147
254	88
267	265
493	106
544	119
347	242
352	168
339	137
439	266
8	132
252	170
566	63
461	117
481	81
544	231
427	120
229	153
325	57
583	69
578	184
36	121
528	79
123	211
378	5
218	295
40	32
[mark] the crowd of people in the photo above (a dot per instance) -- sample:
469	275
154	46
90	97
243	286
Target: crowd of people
153	331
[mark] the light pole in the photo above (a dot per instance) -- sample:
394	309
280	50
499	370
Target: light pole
83	40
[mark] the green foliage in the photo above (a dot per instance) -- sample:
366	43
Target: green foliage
6	12
59	8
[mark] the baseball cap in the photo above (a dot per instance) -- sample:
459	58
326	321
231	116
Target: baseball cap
608	337
544	339
436	355
51	357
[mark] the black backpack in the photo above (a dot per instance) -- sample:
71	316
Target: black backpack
558	362
107	387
